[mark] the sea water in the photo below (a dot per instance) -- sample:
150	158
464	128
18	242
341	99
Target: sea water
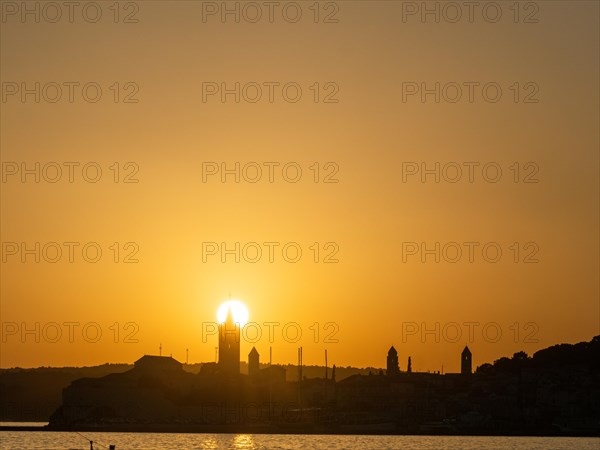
31	440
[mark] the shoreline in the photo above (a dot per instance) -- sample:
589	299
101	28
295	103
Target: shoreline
186	429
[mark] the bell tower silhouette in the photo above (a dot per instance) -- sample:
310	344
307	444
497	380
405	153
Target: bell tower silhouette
229	346
392	362
253	363
466	363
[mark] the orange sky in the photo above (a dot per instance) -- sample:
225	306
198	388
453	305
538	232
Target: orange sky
374	294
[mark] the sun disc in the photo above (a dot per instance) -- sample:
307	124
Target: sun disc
238	310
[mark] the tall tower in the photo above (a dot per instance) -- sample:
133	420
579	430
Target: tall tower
392	362
466	362
253	362
229	346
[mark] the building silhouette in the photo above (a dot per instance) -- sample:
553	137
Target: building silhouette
392	362
152	363
253	363
466	362
229	346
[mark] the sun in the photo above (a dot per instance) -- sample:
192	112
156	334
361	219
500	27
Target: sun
238	310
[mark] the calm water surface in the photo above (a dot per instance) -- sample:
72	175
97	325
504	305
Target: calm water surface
49	441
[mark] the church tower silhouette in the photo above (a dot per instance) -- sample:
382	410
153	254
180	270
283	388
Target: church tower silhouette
466	363
392	362
229	346
253	363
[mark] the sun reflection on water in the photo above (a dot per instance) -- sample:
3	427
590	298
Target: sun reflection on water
244	442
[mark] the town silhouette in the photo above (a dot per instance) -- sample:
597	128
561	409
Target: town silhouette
554	392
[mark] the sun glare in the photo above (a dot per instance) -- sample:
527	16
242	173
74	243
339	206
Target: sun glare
238	309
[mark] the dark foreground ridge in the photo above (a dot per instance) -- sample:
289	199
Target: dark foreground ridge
555	392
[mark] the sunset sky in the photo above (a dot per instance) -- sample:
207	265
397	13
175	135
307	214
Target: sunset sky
371	136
